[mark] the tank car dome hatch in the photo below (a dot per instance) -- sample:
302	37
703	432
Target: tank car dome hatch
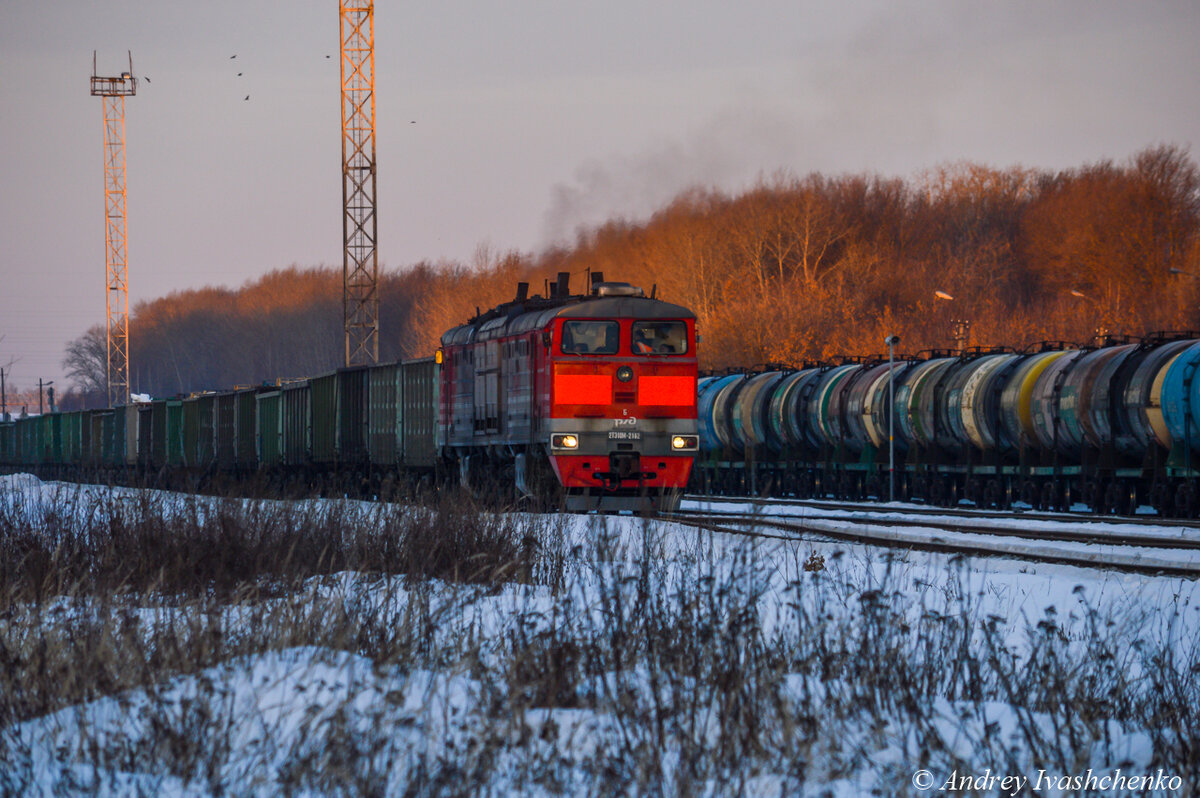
616	289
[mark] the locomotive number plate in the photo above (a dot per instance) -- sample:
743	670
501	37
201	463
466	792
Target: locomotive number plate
622	435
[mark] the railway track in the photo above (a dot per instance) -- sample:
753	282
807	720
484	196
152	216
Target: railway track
959	512
1087	541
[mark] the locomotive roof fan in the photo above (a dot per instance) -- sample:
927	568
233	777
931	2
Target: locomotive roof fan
616	289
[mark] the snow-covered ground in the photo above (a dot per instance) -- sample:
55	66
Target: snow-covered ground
661	660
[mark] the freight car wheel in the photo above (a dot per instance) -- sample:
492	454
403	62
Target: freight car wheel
1112	496
1160	499
875	487
1132	504
1049	500
842	491
991	494
1068	499
937	492
1185	501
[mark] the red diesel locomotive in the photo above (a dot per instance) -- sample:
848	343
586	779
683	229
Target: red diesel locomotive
587	402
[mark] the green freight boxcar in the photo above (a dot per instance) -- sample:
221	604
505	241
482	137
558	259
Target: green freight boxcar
419	412
191	430
353	389
95	456
157	456
383	428
132	414
206	430
71	424
104	424
145	433
269	433
225	430
29	439
50	438
324	393
339	417
114	437
85	438
7	446
246	431
296	424
175	425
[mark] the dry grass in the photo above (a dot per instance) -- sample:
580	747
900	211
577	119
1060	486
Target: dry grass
702	672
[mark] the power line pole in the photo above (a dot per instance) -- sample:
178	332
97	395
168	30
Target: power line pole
360	264
114	90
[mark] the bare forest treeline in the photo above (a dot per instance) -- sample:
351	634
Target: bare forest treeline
794	269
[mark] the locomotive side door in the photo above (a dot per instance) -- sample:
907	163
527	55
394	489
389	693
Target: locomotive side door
524	377
479	374
492	387
487	387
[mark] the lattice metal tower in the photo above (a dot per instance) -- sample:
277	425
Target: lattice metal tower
114	91
360	265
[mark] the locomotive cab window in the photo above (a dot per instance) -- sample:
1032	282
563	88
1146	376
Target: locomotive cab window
659	338
590	338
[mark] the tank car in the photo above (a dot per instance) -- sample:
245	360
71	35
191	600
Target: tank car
1113	427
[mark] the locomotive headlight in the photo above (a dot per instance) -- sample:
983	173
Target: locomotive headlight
564	441
682	442
624	374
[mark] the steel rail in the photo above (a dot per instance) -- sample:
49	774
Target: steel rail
1041	533
1013	544
963	512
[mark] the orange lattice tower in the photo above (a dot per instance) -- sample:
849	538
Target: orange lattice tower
360	265
114	91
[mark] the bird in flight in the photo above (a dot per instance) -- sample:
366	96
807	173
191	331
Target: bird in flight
247	98
233	56
239	74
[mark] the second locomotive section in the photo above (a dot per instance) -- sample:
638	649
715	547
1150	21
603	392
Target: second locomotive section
596	393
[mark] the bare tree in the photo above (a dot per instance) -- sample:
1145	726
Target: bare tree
86	361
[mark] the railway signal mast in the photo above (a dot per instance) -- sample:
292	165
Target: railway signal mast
114	90
360	264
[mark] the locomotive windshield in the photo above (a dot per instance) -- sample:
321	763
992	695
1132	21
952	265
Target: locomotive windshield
590	338
659	338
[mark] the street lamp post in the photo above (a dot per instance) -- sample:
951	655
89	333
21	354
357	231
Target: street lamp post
41	391
891	342
1100	332
962	327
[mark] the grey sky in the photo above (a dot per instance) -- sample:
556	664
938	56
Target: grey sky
532	117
